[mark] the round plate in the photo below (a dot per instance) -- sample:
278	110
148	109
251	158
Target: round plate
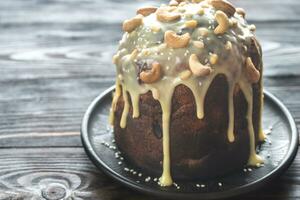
278	152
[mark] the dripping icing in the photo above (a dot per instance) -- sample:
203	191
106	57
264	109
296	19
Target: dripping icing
140	45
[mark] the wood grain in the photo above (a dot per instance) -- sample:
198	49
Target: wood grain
55	57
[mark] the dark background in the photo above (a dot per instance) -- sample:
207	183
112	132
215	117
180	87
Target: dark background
55	57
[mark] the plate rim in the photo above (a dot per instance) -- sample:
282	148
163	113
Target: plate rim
285	163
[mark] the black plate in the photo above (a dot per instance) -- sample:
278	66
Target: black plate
278	151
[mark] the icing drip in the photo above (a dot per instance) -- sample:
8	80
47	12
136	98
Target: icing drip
126	107
166	102
116	96
146	42
254	159
230	130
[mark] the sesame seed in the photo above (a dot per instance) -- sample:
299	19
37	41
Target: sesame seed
220	184
155	179
121	158
197	185
119	163
249	169
202	185
126	169
245	170
147	179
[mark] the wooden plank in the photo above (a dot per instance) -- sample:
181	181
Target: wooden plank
36	173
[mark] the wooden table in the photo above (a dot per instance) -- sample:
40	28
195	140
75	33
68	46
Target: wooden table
55	57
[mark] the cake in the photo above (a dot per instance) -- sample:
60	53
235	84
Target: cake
188	98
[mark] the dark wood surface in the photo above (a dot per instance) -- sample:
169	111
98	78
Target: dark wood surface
55	57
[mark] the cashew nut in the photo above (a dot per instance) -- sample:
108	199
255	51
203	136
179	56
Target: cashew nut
197	68
241	12
146	11
191	24
176	41
131	24
224	6
151	76
252	73
164	15
223	22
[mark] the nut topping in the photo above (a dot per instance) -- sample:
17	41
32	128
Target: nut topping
198	68
224	6
153	75
146	11
176	41
223	22
131	24
164	15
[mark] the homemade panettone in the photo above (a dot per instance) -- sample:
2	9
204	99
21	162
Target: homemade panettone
188	97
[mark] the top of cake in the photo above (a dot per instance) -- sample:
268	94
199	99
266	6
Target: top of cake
166	40
188	43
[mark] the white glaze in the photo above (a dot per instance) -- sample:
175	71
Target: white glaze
150	47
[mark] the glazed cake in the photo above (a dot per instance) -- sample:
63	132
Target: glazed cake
188	98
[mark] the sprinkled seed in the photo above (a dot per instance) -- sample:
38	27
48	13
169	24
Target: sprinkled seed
191	24
155	179
119	163
213	59
121	158
198	44
258	165
252	27
185	74
249	169
140	174
245	170
233	23
220	184
197	185
126	169
202	185
155	29
200	11
147	179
